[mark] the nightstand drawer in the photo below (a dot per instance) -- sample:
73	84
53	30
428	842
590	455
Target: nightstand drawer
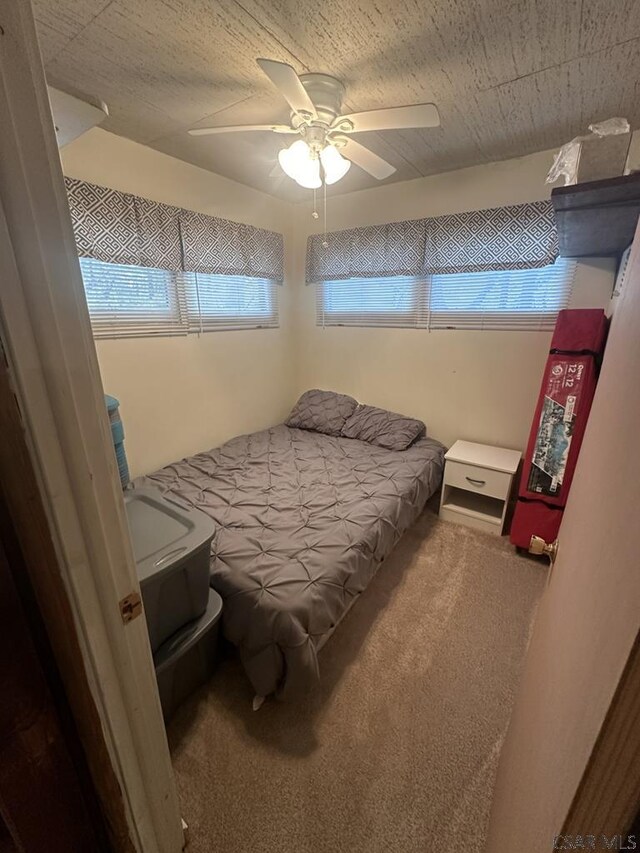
496	484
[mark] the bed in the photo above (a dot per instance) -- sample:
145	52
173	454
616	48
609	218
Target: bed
303	520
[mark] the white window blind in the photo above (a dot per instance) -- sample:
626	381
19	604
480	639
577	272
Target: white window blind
395	301
505	299
131	301
230	302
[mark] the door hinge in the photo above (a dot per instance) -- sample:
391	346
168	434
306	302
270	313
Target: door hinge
130	607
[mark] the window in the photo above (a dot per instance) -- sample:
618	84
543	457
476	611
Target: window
397	301
131	301
125	300
507	299
230	302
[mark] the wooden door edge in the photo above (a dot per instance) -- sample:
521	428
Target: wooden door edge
608	796
21	497
54	375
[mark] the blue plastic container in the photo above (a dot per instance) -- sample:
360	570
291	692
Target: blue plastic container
117	434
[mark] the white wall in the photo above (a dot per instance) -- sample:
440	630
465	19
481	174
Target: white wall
479	386
184	394
582	651
180	395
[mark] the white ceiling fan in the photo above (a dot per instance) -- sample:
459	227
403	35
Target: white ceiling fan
325	134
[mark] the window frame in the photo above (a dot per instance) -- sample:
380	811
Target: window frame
182	316
426	315
374	319
200	320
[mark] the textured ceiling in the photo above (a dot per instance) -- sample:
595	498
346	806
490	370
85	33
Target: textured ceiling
509	76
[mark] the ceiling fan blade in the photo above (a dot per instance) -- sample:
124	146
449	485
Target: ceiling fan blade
391	118
238	128
285	79
367	160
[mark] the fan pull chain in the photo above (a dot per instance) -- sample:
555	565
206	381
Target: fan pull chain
325	242
315	206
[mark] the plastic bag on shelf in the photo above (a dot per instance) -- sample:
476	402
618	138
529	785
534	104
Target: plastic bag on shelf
610	127
567	160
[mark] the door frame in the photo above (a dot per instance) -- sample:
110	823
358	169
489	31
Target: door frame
569	771
41	757
48	346
607	796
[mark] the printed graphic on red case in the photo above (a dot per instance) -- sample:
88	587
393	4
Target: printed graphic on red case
557	418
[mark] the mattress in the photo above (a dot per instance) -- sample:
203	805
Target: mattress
303	520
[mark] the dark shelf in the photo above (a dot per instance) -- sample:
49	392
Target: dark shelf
597	218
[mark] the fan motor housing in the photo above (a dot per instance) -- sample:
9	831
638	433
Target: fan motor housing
326	93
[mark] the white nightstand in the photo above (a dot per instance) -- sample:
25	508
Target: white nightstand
477	485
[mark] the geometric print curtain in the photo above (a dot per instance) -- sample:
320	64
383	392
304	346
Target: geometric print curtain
213	245
517	237
397	248
122	228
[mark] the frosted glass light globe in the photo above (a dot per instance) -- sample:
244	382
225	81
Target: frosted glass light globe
334	164
297	162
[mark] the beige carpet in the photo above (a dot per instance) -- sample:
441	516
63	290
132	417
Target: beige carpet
396	748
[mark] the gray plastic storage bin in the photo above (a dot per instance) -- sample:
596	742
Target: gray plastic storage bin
171	547
187	660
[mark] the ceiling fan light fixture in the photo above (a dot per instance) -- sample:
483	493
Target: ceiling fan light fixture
334	164
316	102
298	163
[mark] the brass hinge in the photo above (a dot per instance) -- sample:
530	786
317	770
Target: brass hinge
130	607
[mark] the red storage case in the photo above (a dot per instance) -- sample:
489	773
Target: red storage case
560	419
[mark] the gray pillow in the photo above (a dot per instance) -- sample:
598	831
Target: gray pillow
322	411
379	426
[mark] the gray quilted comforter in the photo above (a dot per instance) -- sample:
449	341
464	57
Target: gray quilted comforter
302	522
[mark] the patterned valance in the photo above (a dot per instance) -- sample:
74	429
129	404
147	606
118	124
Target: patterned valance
522	236
382	250
519	237
121	228
230	248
